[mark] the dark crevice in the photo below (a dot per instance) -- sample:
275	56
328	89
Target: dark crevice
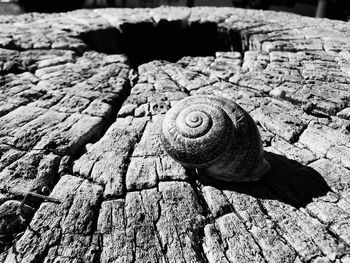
167	40
192	175
103	40
209	218
126	166
108	121
96	212
232	39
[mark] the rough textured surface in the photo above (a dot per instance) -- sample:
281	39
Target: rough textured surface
82	99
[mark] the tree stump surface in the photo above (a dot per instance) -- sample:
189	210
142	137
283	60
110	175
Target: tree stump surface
82	98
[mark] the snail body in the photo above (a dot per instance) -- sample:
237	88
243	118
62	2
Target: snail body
216	136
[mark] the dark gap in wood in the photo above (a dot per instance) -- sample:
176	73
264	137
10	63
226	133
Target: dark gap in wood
167	40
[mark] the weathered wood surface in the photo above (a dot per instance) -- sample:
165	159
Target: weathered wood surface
85	124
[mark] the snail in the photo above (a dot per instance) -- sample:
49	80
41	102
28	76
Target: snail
216	136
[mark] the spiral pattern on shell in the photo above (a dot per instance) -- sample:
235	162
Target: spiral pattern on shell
216	136
196	133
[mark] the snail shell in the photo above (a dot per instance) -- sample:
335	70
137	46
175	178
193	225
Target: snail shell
216	136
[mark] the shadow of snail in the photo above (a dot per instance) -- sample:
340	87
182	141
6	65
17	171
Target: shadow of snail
220	139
